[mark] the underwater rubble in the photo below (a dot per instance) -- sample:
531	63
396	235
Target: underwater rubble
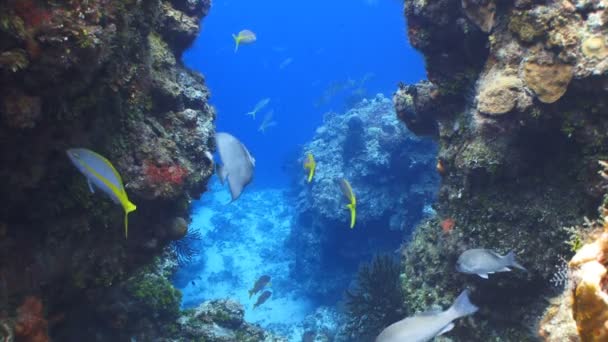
220	320
516	99
392	173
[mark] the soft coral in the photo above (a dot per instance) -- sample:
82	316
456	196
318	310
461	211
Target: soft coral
31	13
173	174
31	326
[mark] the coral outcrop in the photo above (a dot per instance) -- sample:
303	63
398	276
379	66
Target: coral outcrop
104	75
581	312
364	146
221	320
516	98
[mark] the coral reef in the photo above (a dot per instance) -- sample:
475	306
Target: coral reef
516	99
105	75
364	146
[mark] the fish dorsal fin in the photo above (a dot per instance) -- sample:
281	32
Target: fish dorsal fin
251	159
496	254
446	329
430	312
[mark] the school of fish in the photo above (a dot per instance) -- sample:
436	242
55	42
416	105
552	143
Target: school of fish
237	170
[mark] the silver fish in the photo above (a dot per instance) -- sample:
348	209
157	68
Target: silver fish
259	106
267	122
484	261
237	166
285	63
426	326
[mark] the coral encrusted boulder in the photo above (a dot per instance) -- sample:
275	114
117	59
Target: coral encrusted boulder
388	168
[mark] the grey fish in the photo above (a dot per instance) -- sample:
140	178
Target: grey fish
484	261
285	63
237	166
259	106
259	285
267	122
262	298
426	326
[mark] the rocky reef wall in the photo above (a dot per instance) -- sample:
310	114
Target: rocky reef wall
364	146
516	98
104	75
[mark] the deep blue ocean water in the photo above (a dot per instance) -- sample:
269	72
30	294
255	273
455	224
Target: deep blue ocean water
310	58
330	43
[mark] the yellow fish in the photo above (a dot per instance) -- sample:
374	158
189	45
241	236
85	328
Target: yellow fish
347	190
245	37
310	165
101	173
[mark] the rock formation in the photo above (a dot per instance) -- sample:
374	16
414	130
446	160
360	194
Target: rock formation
104	75
389	169
516	98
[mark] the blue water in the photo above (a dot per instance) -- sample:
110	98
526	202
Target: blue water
329	42
310	58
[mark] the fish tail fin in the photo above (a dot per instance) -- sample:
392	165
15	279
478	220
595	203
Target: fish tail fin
462	305
252	113
236	42
129	207
311	173
353	214
510	258
250	293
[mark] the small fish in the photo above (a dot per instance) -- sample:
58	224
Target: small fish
259	285
484	261
285	63
310	165
245	37
238	164
426	326
267	122
262	298
347	190
102	174
259	106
